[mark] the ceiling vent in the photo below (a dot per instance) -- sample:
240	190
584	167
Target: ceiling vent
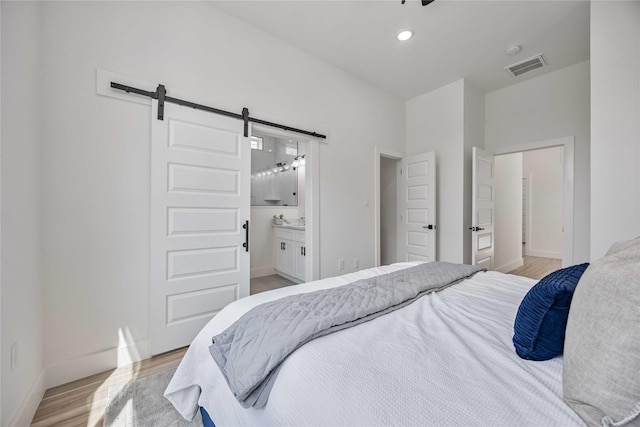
527	65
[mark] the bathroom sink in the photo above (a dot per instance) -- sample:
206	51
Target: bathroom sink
290	226
294	226
292	223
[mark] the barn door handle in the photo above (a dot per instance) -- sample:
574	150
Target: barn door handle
246	235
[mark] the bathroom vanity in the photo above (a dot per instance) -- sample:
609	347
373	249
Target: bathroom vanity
290	251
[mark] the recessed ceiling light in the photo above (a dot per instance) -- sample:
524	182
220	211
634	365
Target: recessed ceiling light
405	35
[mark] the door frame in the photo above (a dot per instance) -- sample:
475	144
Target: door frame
568	187
478	154
311	198
380	152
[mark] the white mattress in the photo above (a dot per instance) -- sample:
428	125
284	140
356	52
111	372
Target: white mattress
444	360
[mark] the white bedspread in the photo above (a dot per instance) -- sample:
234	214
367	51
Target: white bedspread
445	360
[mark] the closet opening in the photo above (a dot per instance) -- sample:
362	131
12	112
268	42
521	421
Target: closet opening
386	205
388	211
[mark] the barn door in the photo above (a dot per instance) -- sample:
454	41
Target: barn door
417	208
200	193
483	192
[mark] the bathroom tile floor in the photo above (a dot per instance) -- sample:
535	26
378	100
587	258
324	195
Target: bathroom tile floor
266	283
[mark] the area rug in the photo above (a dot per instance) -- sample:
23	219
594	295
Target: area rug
141	404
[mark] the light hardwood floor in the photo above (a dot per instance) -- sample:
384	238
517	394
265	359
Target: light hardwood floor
537	267
83	402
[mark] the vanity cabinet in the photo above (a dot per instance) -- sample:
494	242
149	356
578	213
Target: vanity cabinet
290	253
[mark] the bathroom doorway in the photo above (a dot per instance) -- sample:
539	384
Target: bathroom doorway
284	206
534	204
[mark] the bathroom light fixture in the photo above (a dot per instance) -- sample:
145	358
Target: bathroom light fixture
278	167
405	35
297	162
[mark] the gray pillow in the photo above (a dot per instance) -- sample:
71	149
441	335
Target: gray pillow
624	244
601	373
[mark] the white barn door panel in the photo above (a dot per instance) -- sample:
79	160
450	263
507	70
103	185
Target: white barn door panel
200	194
417	208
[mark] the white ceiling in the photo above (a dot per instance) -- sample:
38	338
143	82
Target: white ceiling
453	39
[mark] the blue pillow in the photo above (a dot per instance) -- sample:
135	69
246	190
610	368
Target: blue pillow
542	316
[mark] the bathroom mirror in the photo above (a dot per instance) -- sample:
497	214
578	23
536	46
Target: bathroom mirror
274	171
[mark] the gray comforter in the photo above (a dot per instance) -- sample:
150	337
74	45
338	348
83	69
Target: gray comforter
250	352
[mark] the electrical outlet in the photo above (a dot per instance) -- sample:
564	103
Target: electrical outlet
14	355
340	264
356	263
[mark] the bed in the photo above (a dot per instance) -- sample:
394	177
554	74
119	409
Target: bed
445	359
489	349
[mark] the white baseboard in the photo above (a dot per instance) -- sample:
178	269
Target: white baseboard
511	266
25	412
544	254
262	271
91	364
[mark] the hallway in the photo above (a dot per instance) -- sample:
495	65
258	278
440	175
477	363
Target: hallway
537	267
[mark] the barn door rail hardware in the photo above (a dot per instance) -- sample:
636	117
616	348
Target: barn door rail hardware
161	95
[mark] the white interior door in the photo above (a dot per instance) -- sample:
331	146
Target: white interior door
417	208
483	193
200	194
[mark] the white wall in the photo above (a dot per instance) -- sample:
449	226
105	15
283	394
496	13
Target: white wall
615	123
388	211
508	212
450	121
435	122
96	177
21	212
551	106
544	172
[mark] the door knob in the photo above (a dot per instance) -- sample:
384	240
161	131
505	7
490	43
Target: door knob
429	227
476	228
